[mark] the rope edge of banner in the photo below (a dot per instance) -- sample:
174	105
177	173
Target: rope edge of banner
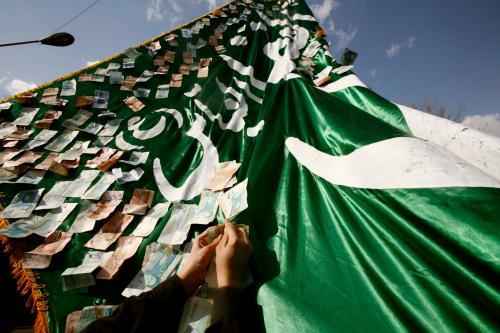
46	84
26	283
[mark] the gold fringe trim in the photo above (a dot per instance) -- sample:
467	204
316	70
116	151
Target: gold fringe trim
43	85
26	282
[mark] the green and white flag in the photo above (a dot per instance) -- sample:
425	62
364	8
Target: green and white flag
365	216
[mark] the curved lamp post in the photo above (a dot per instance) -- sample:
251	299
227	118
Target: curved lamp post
57	39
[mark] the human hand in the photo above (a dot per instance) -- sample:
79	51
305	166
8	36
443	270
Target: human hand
232	255
193	273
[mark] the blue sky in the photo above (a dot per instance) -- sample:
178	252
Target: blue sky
448	49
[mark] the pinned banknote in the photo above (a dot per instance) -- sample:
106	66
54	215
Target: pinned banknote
35	261
7	129
77	321
101	99
26	116
97	190
234	201
48	118
110	231
133	103
40	139
53	243
159	263
62	140
104	155
177	228
82	222
81	276
127	177
162	91
28	157
108	203
149	221
68	88
32	177
126	248
223	174
80	185
207	208
140	202
22	204
78	119
110	128
105	166
137	157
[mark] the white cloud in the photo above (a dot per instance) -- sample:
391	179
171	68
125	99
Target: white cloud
322	11
373	72
16	86
410	43
342	38
393	50
489	123
154	11
175	6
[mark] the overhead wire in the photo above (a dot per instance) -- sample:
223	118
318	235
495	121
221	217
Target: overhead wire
77	15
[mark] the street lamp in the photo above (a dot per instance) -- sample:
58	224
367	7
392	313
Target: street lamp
57	39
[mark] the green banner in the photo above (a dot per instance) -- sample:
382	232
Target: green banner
363	216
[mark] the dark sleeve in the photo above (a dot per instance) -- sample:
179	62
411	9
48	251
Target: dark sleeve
226	311
157	310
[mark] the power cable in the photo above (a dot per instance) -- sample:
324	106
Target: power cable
77	15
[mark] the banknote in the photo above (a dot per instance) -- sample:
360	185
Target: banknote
196	315
78	119
125	248
77	150
32	177
148	222
104	155
106	165
132	176
115	77
110	128
6	176
22	204
25	116
145	76
137	157
8	154
48	118
185	69
207	208
7	129
133	103
82	222
40	225
176	81
40	139
102	141
85	78
223	174
68	88
5	106
113	66
110	231
54	198
234	201
170	56
131	53
92	128
77	321
47	162
81	276
140	202
80	185
177	227
83	101
202	72
59	168
20	134
129	83
162	91
35	261
101	99
101	71
62	140
106	205
26	98
98	189
142	92
128	63
53	243
159	263
28	157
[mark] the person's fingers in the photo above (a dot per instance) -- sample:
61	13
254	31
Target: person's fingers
244	235
215	243
230	230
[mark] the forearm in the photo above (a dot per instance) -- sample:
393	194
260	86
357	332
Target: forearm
160	307
226	313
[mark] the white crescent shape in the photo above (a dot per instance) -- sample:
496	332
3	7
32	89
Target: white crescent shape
196	89
134	123
199	178
152	132
396	163
176	114
124	145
